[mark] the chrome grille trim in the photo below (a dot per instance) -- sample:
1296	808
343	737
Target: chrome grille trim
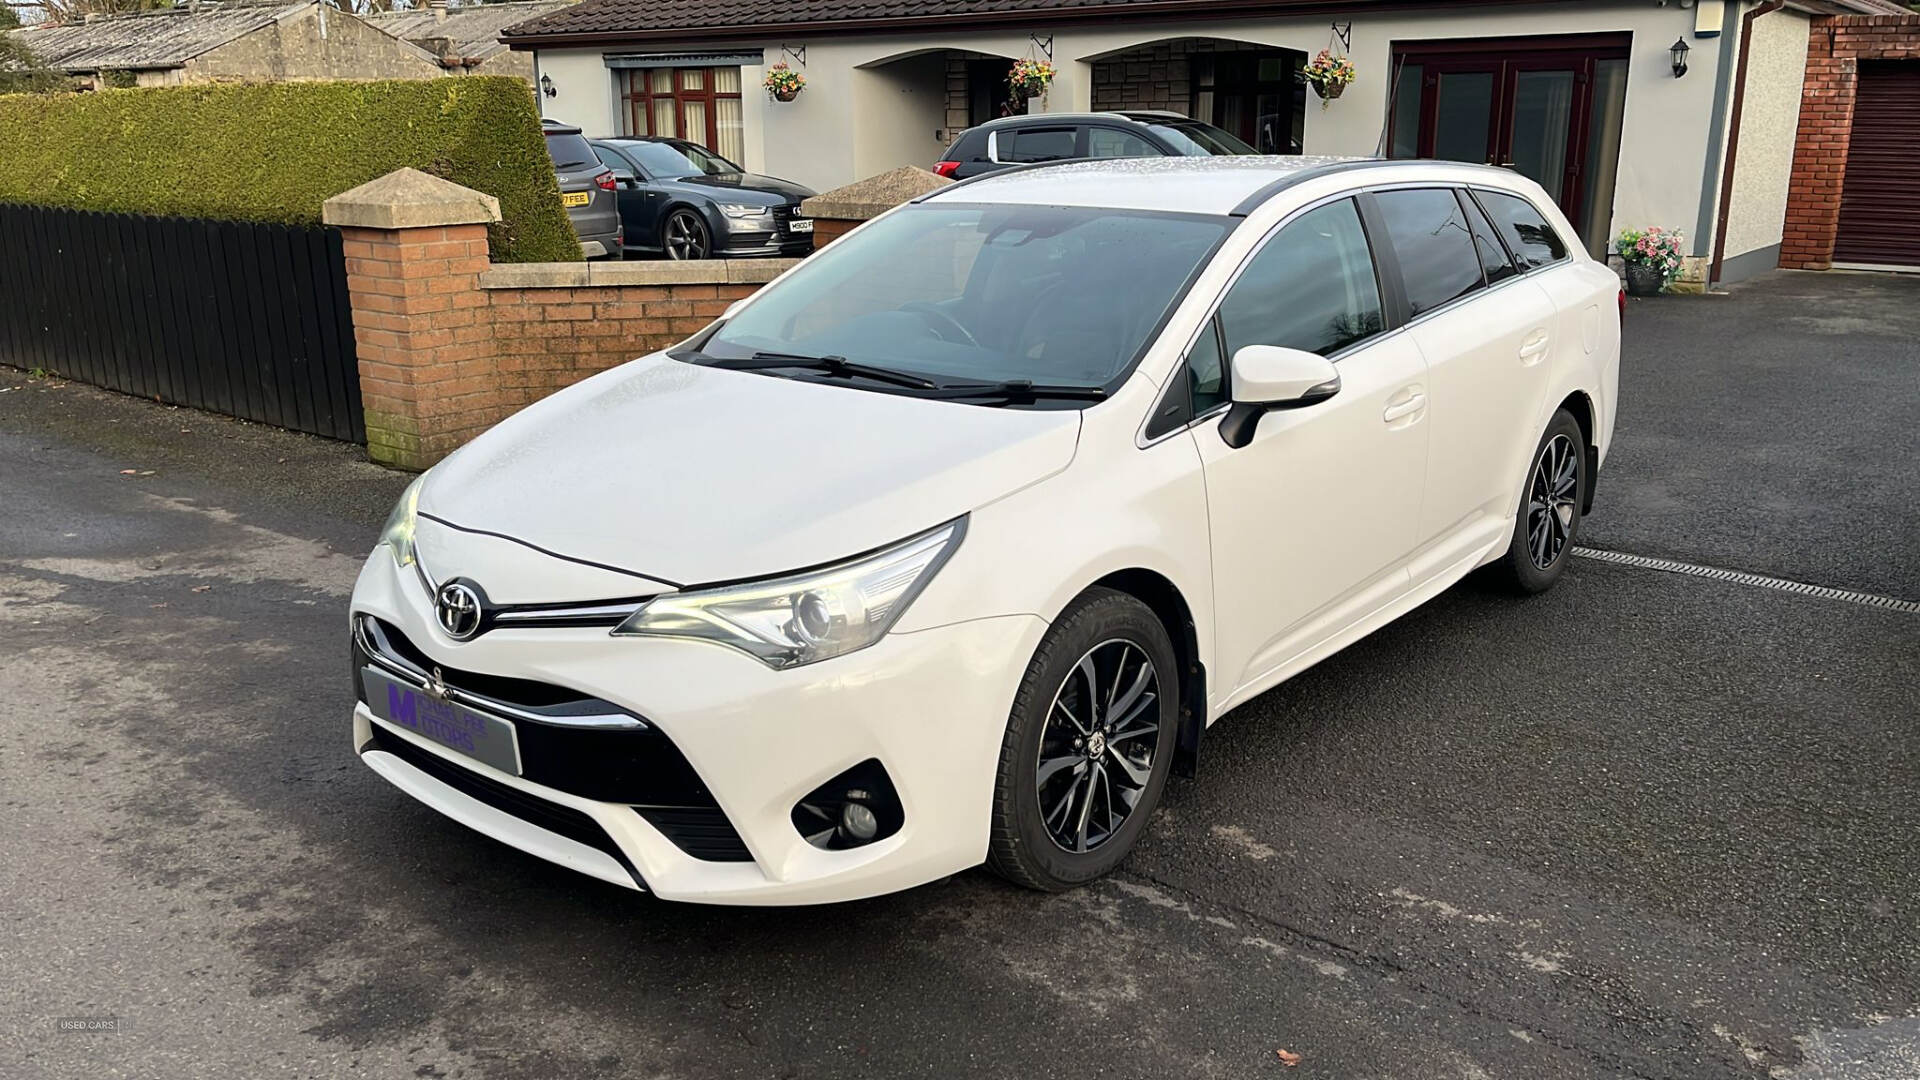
406	671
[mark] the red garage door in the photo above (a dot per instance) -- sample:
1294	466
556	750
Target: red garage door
1880	198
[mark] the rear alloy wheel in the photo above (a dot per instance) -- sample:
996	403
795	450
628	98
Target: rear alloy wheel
686	236
1548	521
1089	744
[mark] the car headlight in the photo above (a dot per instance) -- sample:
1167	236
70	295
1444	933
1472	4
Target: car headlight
398	533
802	618
740	211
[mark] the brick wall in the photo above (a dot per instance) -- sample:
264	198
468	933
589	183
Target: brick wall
1836	46
450	345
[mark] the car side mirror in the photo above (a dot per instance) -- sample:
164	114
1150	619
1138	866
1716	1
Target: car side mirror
1269	377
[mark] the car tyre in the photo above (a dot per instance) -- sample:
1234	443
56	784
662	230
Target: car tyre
1098	710
1548	523
686	236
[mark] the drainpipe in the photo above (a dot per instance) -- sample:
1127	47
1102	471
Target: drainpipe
1733	134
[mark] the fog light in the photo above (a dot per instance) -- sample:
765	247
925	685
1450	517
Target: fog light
857	821
854	809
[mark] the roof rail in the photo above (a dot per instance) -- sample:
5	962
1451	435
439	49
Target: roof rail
1313	172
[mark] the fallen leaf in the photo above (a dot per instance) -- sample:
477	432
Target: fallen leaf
1288	1058
201	588
129	472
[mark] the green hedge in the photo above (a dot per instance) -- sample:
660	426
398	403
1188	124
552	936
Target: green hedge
276	151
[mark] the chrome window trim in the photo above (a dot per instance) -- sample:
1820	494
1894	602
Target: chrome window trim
405	671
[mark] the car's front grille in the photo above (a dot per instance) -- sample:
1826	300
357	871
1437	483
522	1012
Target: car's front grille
560	820
574	742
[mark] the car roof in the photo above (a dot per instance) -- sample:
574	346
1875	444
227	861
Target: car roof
1053	118
1228	184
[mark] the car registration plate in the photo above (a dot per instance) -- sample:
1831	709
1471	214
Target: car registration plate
484	738
800	225
576	198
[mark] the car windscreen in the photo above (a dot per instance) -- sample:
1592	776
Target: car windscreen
569	150
1200	140
1055	295
679	159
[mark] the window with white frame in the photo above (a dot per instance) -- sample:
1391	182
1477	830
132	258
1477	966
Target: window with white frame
698	104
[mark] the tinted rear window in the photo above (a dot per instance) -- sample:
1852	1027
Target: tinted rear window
971	146
569	151
1037	144
1434	246
1533	241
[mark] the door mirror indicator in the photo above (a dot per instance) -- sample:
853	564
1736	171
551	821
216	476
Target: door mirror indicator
1269	377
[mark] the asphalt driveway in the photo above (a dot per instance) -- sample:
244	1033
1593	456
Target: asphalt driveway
1647	825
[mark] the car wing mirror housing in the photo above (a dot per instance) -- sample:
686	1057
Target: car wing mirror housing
1270	377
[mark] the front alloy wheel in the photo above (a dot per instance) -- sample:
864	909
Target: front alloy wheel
1098	747
1089	744
686	236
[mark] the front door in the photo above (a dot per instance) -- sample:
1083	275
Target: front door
1547	108
1255	94
1312	521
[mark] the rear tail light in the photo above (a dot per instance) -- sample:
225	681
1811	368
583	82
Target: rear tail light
604	181
1623	303
946	168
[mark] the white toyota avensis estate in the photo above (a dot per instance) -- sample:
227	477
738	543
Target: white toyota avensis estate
946	547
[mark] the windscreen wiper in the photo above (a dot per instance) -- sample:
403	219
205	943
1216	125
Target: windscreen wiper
1018	390
830	364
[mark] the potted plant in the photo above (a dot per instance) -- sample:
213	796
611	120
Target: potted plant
783	83
1328	75
1652	256
1029	78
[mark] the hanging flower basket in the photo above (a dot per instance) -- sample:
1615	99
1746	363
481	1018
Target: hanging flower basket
1029	78
1328	75
783	83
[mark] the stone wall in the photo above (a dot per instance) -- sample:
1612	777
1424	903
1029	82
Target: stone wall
1151	77
1835	48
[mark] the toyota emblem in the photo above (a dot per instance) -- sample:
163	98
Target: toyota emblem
457	607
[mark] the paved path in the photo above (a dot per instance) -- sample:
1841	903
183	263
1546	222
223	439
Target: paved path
1647	825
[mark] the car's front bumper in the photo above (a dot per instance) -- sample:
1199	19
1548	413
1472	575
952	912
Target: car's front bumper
930	706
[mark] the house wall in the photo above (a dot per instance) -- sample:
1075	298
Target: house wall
1669	168
903	113
315	43
1835	48
1763	164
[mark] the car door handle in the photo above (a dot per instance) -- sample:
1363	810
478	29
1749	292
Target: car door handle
1404	407
1534	348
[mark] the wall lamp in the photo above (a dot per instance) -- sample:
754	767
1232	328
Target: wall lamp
546	85
1679	52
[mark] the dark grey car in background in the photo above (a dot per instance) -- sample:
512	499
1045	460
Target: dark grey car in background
684	201
586	189
1021	140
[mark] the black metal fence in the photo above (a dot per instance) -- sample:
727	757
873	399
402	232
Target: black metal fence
247	319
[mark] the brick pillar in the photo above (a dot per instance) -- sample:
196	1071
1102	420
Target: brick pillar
838	212
415	248
1819	155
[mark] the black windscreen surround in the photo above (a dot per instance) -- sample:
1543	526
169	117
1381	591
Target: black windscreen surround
1434	244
